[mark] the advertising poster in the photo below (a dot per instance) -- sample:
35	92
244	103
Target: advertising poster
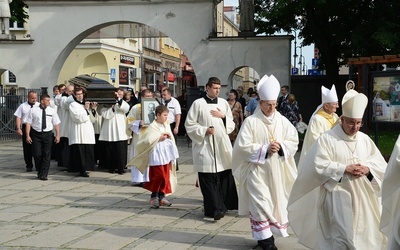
386	98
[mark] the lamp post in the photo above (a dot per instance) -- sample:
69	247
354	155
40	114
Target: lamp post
295	49
302	63
301	57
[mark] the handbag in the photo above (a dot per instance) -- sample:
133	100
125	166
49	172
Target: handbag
301	127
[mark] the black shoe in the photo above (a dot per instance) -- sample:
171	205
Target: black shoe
111	171
43	178
121	171
84	174
29	169
218	215
268	244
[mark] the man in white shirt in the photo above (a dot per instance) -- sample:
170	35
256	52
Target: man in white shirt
174	114
39	127
20	115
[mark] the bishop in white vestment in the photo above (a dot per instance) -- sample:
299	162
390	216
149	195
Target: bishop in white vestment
346	169
264	166
323	119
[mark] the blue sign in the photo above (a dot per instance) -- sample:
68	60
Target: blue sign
113	74
315	61
295	71
315	72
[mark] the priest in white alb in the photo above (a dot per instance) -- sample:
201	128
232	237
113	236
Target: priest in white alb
264	166
323	118
347	169
113	134
390	218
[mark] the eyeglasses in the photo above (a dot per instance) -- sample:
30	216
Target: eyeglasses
354	123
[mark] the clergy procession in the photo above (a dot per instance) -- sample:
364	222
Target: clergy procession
341	194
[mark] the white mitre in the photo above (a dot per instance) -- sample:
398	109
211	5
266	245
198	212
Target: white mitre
354	104
327	96
268	88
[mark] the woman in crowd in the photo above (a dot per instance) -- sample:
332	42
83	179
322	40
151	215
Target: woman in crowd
237	113
290	109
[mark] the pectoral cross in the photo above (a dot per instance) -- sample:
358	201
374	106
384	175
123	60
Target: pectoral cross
354	159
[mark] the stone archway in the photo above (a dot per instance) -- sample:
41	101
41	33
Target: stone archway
57	27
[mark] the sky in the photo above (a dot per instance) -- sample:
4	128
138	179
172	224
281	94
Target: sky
307	51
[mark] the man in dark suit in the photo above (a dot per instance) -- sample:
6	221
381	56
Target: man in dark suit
283	97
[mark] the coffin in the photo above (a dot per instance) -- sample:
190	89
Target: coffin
98	90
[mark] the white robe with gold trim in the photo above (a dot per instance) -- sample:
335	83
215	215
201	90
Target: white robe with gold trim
316	127
146	145
133	120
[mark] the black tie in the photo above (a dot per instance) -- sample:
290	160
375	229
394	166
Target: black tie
43	119
166	102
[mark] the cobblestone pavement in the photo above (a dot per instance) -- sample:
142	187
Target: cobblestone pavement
105	212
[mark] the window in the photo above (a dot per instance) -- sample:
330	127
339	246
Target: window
17	25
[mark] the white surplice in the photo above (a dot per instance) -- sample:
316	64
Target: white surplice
81	128
390	219
264	184
63	103
113	128
330	209
197	121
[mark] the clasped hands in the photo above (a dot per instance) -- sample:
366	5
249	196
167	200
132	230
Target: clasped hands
274	147
357	170
164	136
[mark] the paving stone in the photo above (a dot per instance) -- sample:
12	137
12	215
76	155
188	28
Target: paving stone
105	211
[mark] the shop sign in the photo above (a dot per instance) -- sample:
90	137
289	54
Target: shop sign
11	77
152	67
171	77
127	59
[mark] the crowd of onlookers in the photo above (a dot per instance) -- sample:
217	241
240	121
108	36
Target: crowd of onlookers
244	104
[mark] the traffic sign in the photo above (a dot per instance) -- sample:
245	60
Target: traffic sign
295	71
113	73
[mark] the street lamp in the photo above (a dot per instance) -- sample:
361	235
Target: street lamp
301	59
295	49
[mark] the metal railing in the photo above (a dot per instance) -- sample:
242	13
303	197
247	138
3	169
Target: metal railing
10	99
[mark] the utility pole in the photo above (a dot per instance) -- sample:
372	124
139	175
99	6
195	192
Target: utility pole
295	49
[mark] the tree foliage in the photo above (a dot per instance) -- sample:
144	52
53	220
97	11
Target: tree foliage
340	29
18	11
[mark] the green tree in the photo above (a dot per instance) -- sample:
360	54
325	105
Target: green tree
18	11
340	29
